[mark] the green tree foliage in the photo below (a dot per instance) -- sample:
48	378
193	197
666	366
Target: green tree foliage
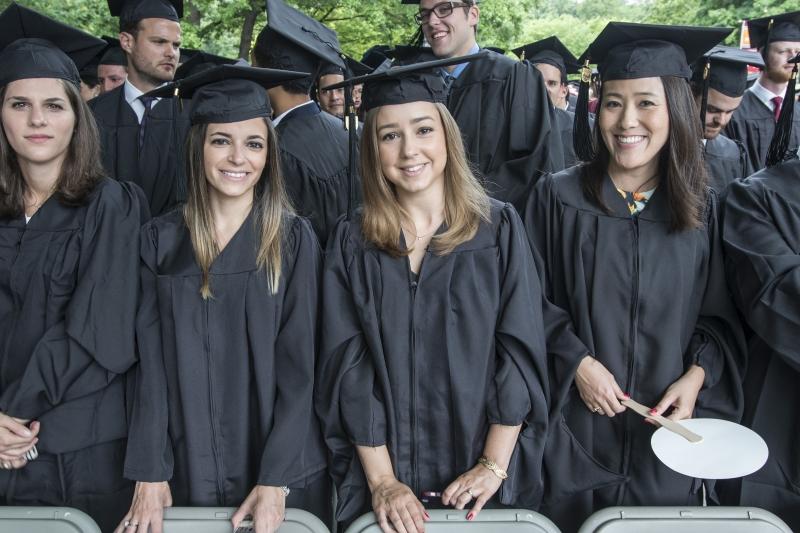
227	27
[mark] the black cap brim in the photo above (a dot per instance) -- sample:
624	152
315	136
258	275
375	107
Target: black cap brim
402	70
406	83
198	62
265	77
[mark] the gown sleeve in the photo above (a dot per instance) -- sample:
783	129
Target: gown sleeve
565	349
519	390
718	344
94	342
760	229
518	386
348	399
295	353
149	453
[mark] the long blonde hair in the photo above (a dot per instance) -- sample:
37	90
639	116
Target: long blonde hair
270	202
466	202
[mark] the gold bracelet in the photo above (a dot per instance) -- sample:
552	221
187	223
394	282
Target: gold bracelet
491	465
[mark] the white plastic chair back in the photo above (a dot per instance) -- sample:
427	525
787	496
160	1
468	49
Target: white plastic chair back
684	520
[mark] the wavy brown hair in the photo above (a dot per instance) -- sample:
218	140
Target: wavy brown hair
80	172
270	202
466	203
681	168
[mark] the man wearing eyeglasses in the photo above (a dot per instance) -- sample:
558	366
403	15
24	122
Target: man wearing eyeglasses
501	105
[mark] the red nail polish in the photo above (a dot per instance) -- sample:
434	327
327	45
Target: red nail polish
653	412
470	516
427	516
627	396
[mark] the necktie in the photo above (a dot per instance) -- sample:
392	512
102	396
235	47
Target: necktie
776	106
148	103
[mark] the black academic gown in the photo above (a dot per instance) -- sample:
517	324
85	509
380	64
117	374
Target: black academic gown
159	168
564	122
315	159
424	365
508	125
224	388
753	124
762	244
647	304
726	162
68	291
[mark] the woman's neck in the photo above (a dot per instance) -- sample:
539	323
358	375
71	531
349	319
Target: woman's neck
40	179
229	214
424	208
636	180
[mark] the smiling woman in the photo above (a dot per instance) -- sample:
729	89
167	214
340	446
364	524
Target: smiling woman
229	290
631	247
432	360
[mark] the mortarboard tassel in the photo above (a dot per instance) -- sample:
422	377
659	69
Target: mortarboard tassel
779	145
704	100
581	132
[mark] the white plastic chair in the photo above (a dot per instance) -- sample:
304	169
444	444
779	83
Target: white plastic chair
218	520
45	520
487	521
684	520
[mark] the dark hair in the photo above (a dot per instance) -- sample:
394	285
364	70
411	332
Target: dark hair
681	166
274	51
130	26
80	172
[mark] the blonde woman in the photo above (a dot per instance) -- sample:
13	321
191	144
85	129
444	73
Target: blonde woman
226	326
433	357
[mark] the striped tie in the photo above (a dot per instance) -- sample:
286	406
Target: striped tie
147	101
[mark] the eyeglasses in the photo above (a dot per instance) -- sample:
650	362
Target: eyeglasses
443	10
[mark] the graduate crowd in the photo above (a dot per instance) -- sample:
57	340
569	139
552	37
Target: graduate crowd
426	279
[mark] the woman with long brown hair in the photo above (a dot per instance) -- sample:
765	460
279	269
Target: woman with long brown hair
432	360
632	252
68	281
226	326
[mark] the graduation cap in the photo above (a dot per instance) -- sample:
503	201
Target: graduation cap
779	146
783	27
401	84
114	55
132	11
375	56
724	69
627	51
36	46
550	51
228	93
298	40
200	61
